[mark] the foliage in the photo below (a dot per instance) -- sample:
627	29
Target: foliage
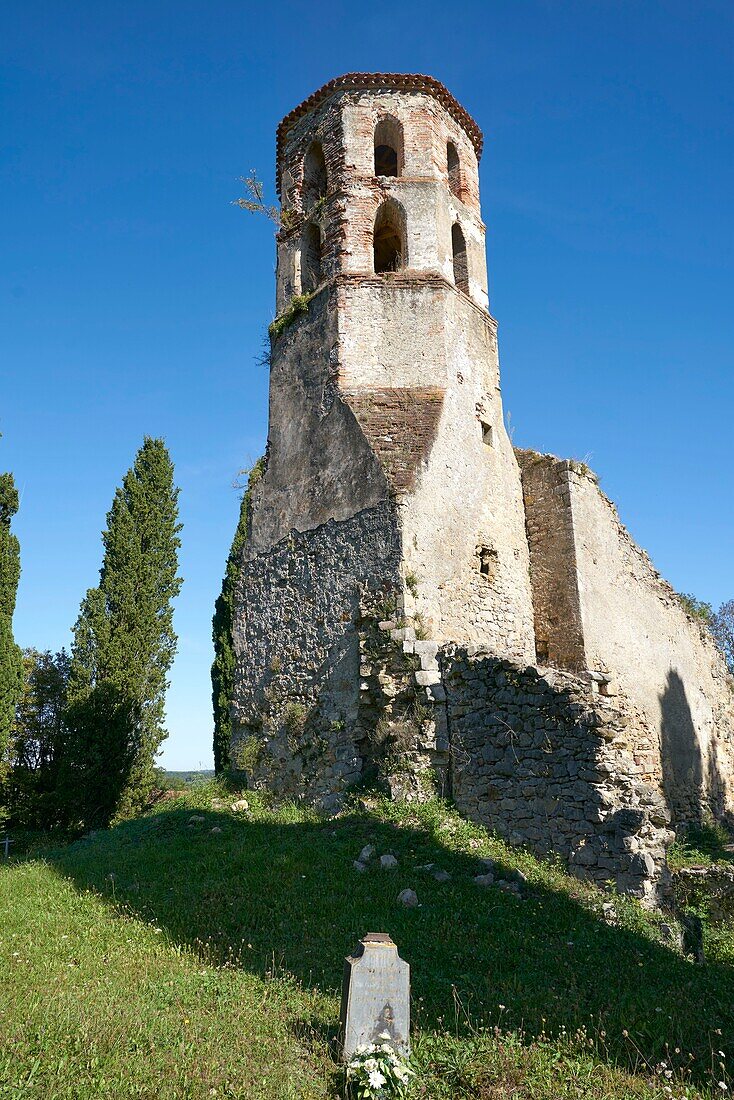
696	608
296	308
254	200
39	739
246	755
105	765
420	627
11	661
123	637
161	959
698	844
295	716
722	628
222	670
377	1072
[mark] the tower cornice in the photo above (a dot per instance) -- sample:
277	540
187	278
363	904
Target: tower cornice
403	82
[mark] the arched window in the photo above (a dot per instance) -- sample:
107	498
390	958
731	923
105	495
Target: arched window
389	238
310	259
388	147
458	250
315	180
453	166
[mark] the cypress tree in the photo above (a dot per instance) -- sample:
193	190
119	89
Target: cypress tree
224	658
124	643
11	658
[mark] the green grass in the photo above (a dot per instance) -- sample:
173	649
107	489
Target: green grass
704	845
160	959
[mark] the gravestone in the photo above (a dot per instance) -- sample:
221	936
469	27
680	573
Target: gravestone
375	997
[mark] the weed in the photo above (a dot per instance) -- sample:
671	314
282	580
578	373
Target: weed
697	609
419	625
246	755
706	843
294	721
297	307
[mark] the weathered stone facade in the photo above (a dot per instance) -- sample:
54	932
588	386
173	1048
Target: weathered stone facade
541	757
601	607
417	603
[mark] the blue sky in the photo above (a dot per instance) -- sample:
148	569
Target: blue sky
134	297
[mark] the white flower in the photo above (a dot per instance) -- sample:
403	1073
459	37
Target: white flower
723	1086
370	1064
377	1079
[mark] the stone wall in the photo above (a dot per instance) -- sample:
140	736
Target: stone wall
300	605
464	527
601	605
319	464
539	756
557	612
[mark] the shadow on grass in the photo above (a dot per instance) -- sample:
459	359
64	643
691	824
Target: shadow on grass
269	897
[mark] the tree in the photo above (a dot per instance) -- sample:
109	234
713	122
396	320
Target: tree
722	628
11	660
100	771
223	666
124	638
39	739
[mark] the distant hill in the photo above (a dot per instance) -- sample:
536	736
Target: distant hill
188	777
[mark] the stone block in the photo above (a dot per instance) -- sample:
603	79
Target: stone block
426	678
428	662
436	693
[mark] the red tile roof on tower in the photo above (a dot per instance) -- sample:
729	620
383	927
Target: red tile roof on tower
409	82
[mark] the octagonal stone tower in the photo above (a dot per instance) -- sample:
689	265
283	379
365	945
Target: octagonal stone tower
390	488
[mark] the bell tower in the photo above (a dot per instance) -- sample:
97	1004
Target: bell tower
388	465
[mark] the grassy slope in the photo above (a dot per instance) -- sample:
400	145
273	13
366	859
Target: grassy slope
160	959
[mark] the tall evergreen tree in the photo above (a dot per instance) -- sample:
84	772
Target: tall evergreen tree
224	658
124	638
11	658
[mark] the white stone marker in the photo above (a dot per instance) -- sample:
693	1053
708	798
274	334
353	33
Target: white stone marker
375	996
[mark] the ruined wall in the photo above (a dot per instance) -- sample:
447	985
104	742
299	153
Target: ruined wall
602	606
299	609
462	511
539	756
319	465
557	612
463	528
